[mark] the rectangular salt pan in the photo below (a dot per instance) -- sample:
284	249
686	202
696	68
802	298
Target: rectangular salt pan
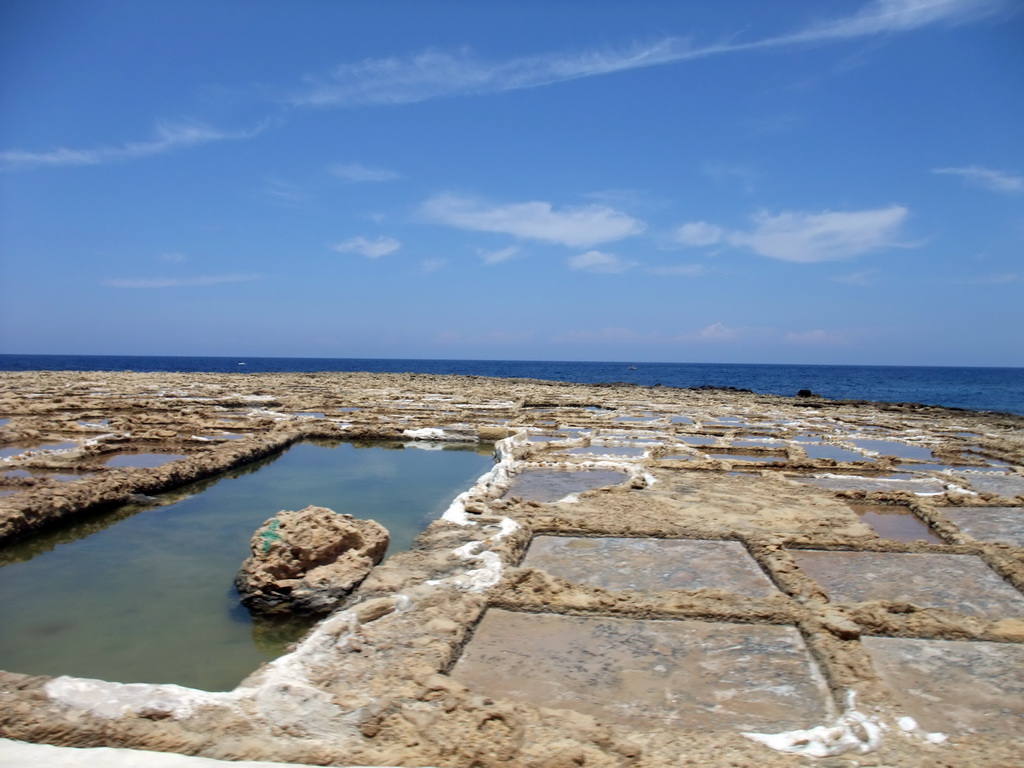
1007	487
961	583
892	448
689	675
650	564
1002	525
895	522
923	486
954	686
547	485
143	460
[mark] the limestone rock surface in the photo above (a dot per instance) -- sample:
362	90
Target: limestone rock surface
308	561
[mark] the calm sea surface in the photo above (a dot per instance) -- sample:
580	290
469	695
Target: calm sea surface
981	389
145	594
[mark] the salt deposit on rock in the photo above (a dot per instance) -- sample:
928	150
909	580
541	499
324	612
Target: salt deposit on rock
308	561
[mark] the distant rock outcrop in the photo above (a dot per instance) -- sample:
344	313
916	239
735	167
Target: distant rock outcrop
308	561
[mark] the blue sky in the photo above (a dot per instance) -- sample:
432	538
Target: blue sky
759	181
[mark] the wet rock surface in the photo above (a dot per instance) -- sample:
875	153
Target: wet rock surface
308	561
378	681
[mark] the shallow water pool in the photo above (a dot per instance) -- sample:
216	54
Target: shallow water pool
145	594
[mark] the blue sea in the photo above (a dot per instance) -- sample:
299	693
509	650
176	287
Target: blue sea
979	389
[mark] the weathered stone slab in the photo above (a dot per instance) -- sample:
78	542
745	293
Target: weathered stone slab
961	583
650	564
954	686
1003	525
690	675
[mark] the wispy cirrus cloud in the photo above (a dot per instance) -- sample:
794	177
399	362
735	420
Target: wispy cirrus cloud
435	74
286	192
573	226
179	282
372	249
806	238
499	255
862	278
890	16
601	263
986	178
168	137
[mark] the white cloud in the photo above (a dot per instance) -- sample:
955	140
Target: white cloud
574	226
169	136
372	249
355	172
179	282
698	233
986	178
889	16
600	262
435	74
498	256
828	236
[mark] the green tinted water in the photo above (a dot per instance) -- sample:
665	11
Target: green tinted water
145	594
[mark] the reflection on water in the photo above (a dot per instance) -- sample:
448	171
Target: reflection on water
144	460
834	452
145	592
891	448
546	485
895	522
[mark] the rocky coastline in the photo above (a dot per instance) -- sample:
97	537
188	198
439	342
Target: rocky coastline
388	677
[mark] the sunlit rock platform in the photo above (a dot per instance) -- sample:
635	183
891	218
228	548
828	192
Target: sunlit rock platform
645	577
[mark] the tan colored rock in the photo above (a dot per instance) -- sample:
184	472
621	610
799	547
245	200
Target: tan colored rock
308	561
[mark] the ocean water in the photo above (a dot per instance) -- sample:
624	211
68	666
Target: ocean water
980	389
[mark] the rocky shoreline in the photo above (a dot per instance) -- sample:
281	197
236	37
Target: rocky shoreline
387	680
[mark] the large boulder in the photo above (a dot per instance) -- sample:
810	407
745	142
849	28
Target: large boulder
308	561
